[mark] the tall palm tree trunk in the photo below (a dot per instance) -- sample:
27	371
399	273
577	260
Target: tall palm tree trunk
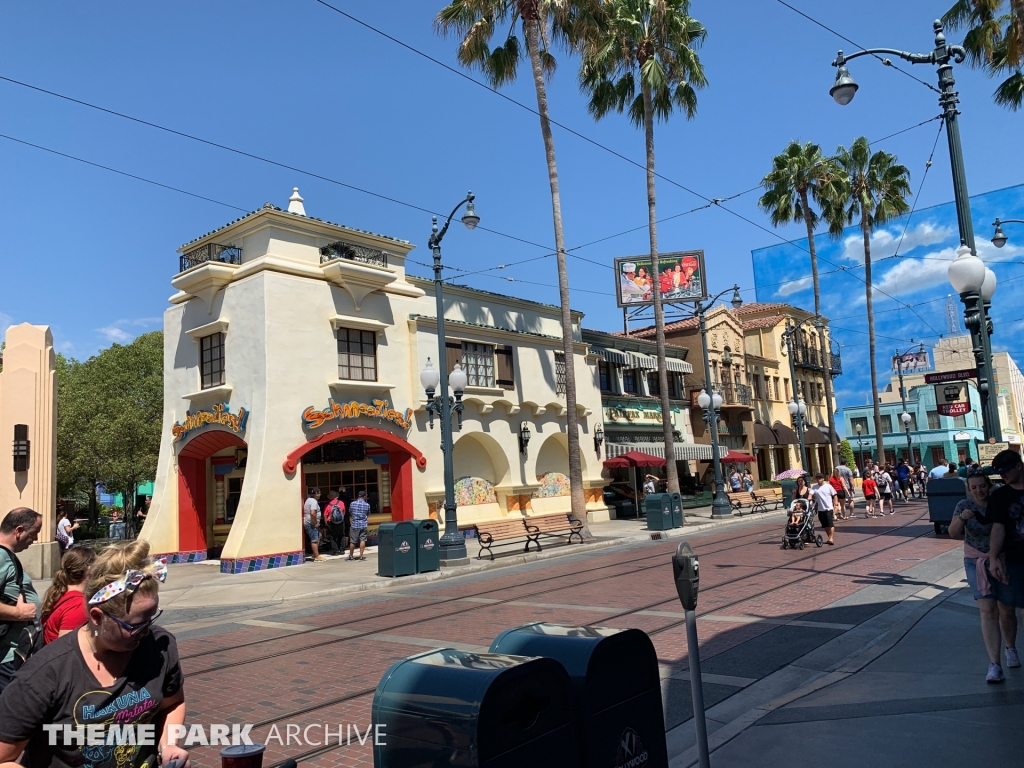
879	441
578	497
826	359
659	313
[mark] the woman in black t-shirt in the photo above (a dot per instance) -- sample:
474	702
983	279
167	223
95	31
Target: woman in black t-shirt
118	669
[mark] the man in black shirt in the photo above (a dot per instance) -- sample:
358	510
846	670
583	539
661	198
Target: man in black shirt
1006	513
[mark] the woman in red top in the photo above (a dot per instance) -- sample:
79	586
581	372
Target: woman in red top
836	481
870	493
63	608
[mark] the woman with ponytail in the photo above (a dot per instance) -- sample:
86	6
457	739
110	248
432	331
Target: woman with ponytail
119	668
64	604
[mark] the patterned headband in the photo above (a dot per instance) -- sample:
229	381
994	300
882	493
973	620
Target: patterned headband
130	581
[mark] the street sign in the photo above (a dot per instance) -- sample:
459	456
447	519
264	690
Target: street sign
988	451
944	376
952	398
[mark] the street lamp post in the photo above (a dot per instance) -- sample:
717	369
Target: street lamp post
999	238
975	316
860	447
711	404
905	416
797	407
453	544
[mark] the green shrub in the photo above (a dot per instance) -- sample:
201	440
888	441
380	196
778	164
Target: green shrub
770	484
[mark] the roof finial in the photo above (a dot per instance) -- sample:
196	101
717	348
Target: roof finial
295	203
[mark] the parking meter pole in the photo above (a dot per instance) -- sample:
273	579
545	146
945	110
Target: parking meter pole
697	688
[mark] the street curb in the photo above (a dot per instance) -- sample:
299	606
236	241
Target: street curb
896	622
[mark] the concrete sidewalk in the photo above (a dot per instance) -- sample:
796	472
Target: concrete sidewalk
905	688
202	585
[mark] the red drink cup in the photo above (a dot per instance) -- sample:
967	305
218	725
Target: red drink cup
242	756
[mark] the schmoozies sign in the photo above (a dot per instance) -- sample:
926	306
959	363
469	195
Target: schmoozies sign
221	414
312	418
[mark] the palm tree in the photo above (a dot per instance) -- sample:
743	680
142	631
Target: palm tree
875	188
475	22
799	174
994	42
641	58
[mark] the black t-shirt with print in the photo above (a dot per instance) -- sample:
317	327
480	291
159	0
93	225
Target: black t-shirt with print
1006	506
56	686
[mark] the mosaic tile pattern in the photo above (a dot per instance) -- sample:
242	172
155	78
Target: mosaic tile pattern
184	557
261	563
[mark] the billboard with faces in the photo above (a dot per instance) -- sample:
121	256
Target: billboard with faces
680	276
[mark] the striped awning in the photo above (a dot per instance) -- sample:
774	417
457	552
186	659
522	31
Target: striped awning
683	451
611	355
645	362
678	366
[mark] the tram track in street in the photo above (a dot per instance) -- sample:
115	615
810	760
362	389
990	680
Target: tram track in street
320	750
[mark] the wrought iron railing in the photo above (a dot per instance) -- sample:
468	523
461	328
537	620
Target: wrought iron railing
812	359
225	254
735	394
353	252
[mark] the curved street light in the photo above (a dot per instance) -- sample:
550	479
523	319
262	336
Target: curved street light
999	238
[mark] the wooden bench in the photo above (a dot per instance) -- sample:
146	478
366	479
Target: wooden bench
772	495
558	524
494	531
739	499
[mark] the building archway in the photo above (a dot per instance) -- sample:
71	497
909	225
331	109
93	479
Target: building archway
197	510
391	456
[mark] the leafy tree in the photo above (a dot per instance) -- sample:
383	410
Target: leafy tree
476	21
846	453
109	417
874	189
799	174
640	57
994	43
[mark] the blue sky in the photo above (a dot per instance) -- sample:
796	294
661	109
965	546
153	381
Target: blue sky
910	257
92	253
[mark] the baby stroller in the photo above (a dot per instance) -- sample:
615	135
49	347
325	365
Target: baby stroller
798	534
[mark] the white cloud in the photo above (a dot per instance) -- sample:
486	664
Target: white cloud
885	241
115	333
794	286
910	275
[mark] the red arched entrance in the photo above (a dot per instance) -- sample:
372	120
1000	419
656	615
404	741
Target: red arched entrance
192	476
401	455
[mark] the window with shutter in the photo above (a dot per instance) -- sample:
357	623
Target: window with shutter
478	363
453	353
506	372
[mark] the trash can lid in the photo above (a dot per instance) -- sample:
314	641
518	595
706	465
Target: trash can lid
243	750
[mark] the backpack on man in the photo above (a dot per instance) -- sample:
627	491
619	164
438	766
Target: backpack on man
30	639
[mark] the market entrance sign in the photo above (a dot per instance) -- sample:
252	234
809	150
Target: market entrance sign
952	399
312	418
221	414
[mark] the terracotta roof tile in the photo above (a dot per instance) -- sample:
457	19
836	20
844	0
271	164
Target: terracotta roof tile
762	322
751	308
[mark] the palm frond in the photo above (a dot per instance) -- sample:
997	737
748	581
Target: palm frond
1010	92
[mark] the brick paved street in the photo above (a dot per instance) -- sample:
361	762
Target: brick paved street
761	607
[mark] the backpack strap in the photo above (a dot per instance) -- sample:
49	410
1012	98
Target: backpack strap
19	573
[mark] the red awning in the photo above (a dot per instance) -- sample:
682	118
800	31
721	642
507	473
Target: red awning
733	457
635	459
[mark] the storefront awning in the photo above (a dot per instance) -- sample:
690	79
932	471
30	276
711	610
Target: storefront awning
611	355
785	435
814	436
678	366
763	435
683	451
644	362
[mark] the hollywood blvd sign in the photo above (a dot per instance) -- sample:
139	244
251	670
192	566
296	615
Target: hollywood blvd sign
312	418
221	414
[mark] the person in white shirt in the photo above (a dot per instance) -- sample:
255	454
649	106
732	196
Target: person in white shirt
65	535
939	470
823	494
311	522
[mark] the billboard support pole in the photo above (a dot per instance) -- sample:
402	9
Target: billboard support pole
625	322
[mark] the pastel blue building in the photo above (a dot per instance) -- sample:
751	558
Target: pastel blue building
933	437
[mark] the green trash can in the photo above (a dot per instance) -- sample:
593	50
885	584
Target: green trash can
475	710
396	549
658	508
678	521
615	677
428	546
788	491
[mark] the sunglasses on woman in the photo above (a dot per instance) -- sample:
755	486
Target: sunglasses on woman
136	629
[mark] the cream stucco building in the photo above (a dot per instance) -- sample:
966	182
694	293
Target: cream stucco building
293	348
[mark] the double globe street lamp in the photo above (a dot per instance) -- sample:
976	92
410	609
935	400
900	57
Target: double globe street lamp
798	410
435	381
944	55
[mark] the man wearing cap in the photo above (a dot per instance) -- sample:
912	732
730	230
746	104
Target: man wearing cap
628	289
1006	513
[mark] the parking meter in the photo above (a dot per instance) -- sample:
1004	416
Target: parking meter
684	566
687	575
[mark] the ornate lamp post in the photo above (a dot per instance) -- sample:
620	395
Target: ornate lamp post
860	447
906	419
712	405
798	410
453	543
975	315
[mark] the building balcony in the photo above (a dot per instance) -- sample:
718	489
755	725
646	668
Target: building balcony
353	252
359	269
222	254
811	359
736	395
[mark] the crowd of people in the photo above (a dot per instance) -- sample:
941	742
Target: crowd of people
343	523
87	653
